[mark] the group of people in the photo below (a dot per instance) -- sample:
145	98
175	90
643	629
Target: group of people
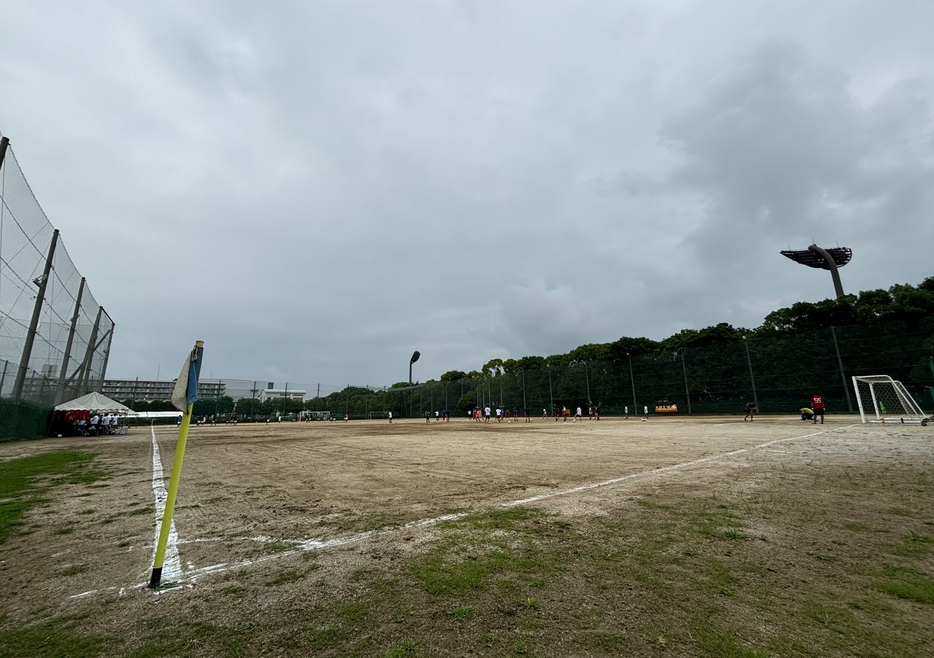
593	413
501	414
486	414
645	411
97	424
807	413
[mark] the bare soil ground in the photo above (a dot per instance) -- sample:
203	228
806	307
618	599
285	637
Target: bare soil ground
675	536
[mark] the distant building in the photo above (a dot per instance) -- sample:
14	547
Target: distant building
298	395
150	390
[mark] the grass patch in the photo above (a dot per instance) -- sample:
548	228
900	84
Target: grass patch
24	481
53	639
73	570
284	577
405	648
714	642
471	558
910	584
325	637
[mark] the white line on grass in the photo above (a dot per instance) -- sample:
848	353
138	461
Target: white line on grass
172	566
317	544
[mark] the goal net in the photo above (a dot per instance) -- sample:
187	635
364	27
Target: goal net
883	400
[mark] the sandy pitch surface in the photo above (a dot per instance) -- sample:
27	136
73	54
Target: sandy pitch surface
252	494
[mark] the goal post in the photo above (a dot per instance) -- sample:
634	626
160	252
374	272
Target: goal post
882	399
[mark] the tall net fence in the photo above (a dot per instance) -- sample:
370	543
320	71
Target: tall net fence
65	355
777	372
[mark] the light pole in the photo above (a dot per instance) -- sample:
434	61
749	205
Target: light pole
755	400
414	358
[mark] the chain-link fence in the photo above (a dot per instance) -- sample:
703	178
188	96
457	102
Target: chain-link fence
54	336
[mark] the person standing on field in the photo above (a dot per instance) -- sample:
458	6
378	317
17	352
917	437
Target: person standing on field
645	411
578	416
750	410
390	418
817	404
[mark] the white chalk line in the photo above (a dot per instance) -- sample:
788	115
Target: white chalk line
317	544
172	565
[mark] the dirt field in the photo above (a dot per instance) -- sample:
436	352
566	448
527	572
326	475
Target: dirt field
283	526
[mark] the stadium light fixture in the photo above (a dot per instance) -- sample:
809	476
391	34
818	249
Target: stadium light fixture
824	259
414	358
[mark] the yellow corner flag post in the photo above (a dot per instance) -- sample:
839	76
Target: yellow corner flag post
183	397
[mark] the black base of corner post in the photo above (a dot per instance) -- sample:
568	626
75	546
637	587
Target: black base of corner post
156	578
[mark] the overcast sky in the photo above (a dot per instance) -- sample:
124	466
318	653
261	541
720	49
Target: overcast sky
315	189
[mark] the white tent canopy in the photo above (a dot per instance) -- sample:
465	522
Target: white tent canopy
93	402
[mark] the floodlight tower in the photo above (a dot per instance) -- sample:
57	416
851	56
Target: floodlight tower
414	358
824	259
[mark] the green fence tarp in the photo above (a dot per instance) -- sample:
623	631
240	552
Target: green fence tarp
21	419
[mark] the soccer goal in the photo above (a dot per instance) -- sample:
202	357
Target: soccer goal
883	400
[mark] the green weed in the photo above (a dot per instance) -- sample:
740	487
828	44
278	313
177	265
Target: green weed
23	481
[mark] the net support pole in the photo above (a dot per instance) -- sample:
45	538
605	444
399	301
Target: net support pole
587	380
524	403
687	391
632	380
110	340
551	395
34	322
752	379
846	389
60	389
4	144
86	373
